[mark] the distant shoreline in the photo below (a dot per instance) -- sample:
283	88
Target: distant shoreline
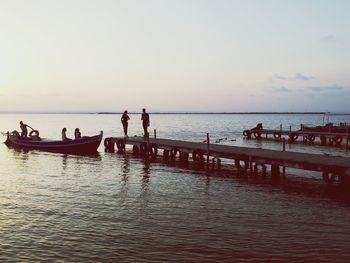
191	113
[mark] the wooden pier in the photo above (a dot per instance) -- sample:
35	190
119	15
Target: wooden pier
333	168
325	138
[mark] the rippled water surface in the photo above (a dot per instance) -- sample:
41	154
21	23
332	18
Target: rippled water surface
121	208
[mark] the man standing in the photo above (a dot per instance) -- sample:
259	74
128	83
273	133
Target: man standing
145	122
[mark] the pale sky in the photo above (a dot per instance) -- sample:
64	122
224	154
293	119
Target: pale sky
174	55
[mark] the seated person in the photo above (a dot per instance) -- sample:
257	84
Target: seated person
77	134
64	135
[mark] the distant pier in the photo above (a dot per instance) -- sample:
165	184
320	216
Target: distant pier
325	138
334	169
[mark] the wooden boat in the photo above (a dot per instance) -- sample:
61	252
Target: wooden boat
86	144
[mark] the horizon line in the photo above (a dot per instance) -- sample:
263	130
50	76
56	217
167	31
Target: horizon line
180	112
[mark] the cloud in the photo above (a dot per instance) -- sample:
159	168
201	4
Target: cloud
300	76
279	77
296	77
280	89
329	38
329	89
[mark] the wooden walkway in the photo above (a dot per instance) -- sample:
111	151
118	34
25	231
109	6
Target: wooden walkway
334	169
325	138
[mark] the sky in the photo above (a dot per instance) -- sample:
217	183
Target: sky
174	55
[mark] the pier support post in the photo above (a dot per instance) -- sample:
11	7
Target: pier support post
173	152
332	177
275	171
256	169
144	149
216	161
166	154
184	157
245	161
135	150
121	146
208	144
347	139
109	145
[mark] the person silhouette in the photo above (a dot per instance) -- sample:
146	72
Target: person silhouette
77	134
145	122
124	119
24	129
64	135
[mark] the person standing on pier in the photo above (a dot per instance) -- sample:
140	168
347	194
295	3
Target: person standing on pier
145	122
124	119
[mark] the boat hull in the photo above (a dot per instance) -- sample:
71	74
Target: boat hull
81	146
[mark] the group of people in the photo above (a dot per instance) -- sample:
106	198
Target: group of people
145	122
77	134
24	132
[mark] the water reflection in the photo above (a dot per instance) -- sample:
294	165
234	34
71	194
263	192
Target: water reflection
19	153
21	157
145	173
78	160
64	162
125	168
305	184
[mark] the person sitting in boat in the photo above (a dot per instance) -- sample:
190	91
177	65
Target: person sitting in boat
24	129
64	135
77	133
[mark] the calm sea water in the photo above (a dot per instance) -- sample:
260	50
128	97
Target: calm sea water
120	208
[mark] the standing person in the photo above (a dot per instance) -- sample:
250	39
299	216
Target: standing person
24	129
124	119
145	121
